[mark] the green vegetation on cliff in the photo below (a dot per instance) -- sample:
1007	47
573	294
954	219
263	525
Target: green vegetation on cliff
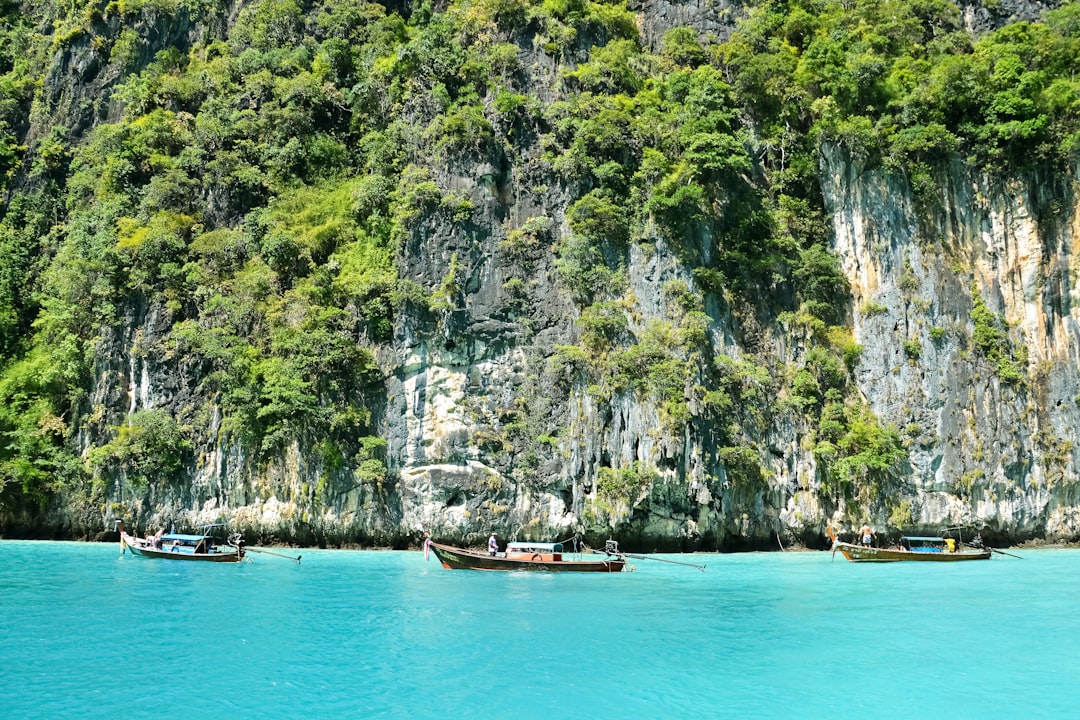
252	190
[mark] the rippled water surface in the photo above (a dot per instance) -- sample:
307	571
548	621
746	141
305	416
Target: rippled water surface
89	633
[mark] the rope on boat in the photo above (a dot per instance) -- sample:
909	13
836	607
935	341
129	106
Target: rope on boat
577	542
832	536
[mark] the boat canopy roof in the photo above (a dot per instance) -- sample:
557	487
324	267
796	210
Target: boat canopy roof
185	538
927	539
536	546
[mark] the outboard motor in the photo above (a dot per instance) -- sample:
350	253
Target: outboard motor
237	541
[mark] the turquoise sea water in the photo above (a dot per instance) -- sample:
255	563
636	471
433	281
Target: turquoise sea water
88	633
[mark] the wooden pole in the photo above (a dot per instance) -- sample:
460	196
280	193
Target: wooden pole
671	562
267	552
1002	552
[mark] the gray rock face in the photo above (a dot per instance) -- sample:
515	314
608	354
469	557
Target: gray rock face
983	451
488	427
711	18
466	410
982	17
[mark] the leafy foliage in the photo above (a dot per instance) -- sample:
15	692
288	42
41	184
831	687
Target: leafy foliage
151	446
902	82
35	459
993	341
259	185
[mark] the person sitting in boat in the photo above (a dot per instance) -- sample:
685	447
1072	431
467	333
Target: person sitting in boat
493	545
866	535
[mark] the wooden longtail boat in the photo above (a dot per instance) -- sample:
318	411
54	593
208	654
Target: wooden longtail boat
913	549
178	546
546	557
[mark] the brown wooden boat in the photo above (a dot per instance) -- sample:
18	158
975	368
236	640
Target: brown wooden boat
913	549
545	557
178	546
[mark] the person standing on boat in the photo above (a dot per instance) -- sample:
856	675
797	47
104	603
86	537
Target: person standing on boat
866	535
493	545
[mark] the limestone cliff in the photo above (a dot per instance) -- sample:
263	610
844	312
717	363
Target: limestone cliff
492	421
981	449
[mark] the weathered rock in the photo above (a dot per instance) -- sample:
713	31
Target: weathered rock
488	428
